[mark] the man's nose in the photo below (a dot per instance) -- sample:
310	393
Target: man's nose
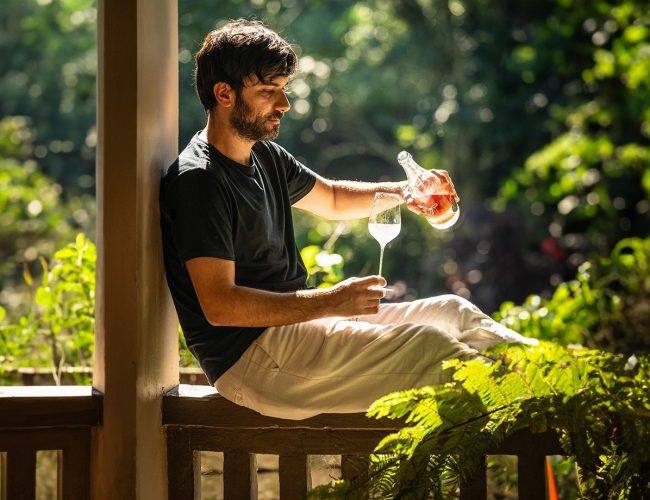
283	103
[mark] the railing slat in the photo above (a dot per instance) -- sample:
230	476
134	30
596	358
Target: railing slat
59	475
353	466
74	467
3	476
531	472
239	475
476	486
295	476
183	482
21	473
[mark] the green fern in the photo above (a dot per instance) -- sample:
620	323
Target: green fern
598	402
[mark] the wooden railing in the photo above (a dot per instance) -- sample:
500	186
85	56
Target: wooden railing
47	418
29	376
197	419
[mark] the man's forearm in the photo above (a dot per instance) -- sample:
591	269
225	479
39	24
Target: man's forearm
353	200
243	306
249	307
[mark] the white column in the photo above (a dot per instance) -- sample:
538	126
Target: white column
136	340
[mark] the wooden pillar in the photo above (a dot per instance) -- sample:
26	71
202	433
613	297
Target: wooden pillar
136	343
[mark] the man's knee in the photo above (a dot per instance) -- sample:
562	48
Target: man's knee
455	301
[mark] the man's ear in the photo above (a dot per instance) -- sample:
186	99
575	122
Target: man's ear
224	94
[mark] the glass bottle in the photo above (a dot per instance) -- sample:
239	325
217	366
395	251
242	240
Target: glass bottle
440	210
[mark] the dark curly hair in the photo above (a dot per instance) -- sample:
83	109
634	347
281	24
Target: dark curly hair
237	50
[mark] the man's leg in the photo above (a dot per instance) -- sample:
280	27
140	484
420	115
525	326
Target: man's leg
337	365
454	315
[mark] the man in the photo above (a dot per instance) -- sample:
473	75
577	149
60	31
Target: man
236	275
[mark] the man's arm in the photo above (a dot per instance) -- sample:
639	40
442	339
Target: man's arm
346	200
227	304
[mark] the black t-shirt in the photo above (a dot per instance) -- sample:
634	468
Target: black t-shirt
211	206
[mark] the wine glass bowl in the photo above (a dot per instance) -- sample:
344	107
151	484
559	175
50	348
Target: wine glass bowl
385	220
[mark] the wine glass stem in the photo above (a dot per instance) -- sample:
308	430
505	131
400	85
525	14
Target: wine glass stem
381	258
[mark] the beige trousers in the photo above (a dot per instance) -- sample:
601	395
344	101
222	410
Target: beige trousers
342	365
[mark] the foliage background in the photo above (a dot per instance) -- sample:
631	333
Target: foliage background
539	109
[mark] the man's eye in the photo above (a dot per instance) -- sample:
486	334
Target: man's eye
287	90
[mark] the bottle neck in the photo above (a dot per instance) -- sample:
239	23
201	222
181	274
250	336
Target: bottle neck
415	174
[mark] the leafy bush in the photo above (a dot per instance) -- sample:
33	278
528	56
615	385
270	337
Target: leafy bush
59	328
606	306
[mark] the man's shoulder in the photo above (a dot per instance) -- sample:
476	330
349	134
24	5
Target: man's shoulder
269	150
193	162
195	157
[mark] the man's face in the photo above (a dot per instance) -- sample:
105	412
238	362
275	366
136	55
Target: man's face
259	107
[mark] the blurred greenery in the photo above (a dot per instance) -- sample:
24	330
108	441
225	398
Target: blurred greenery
34	216
48	50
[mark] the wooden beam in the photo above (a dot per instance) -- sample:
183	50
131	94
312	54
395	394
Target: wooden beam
524	441
199	405
286	441
49	406
136	338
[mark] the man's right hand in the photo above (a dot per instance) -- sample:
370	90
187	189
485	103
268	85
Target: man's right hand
356	296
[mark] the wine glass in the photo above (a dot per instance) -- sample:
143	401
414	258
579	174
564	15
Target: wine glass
385	220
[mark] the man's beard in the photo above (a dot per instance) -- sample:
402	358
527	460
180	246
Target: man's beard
250	126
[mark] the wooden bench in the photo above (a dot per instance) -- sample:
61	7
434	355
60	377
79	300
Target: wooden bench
197	419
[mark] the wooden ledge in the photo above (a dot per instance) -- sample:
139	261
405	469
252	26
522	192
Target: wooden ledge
194	405
201	419
49	406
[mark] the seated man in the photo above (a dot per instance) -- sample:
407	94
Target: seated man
236	275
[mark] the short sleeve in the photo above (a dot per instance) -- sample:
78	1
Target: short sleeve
300	179
203	217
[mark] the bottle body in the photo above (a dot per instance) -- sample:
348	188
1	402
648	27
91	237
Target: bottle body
440	210
437	209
